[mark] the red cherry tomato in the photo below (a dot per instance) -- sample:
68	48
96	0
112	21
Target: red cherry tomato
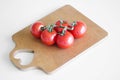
65	41
47	37
36	29
60	24
79	29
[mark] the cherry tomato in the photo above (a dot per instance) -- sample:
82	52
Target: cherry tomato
60	24
36	29
65	41
79	29
48	37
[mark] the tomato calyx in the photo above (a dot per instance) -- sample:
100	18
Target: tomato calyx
63	31
50	27
74	23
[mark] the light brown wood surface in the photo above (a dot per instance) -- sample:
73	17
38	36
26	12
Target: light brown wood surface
48	58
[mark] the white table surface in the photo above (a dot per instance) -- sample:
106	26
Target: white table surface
100	62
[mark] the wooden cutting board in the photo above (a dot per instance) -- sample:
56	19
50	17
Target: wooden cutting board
48	58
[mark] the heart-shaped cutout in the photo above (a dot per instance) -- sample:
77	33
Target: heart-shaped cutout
25	56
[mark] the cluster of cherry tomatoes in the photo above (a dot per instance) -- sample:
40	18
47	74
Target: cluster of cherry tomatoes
62	33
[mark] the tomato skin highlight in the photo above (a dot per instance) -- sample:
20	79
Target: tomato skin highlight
65	41
47	37
79	29
36	29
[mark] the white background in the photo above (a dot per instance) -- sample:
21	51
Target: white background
100	62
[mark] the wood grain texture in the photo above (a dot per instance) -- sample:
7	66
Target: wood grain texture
48	58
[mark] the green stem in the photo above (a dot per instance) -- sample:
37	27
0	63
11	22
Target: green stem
74	23
50	27
61	21
63	31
